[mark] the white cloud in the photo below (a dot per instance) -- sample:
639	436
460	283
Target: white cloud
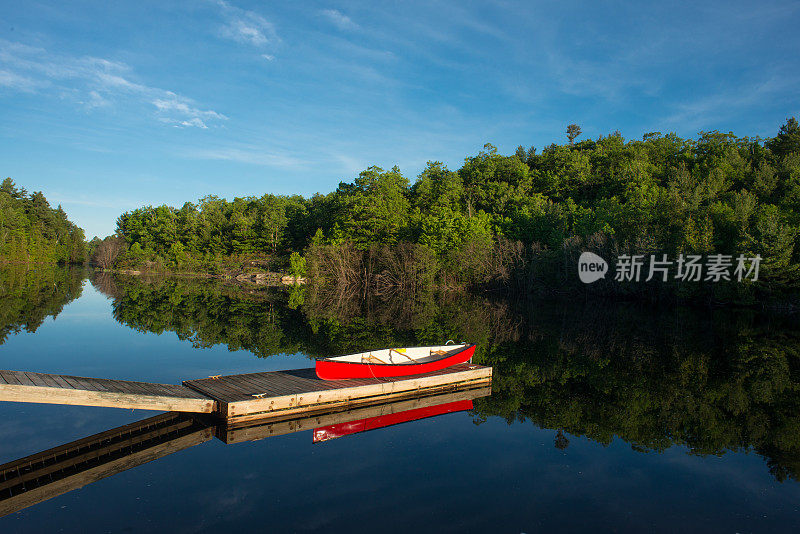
339	19
97	82
195	122
180	105
247	27
268	57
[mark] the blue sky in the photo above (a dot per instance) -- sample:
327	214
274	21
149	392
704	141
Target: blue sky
108	106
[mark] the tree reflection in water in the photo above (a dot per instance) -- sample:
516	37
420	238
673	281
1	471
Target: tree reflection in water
29	294
710	380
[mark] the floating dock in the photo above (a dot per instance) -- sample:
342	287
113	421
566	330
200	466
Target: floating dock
285	394
23	386
238	398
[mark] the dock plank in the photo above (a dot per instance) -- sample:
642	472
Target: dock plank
222	391
48	380
10	378
74	384
256	383
58	379
88	384
123	386
235	385
23	379
37	380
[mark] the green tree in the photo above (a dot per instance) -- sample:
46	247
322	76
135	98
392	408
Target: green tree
32	231
788	139
573	131
374	208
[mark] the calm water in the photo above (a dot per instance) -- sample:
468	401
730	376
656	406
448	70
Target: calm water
603	417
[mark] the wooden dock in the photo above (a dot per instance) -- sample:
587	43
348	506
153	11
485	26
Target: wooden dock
20	386
238	398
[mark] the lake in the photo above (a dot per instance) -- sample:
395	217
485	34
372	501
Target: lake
603	416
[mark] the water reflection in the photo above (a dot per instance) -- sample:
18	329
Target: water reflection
47	474
28	295
38	477
712	381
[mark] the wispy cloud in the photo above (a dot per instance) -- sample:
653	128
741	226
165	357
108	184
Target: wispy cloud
339	19
250	155
606	79
247	27
350	166
175	105
58	198
710	110
98	82
13	80
96	100
178	123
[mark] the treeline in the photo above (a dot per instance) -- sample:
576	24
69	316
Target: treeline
711	382
33	232
514	220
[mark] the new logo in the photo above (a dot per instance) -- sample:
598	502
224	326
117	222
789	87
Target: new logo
591	267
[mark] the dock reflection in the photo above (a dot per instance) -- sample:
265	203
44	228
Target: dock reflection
47	474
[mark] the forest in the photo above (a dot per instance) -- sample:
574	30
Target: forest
33	232
517	221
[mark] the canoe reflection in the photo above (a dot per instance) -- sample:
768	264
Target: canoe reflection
329	432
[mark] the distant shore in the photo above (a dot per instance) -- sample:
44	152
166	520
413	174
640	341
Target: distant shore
258	278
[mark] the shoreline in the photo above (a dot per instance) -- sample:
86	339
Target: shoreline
268	278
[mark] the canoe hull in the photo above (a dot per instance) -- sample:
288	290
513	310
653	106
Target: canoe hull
331	369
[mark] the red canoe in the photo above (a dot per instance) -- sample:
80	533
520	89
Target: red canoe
394	362
325	433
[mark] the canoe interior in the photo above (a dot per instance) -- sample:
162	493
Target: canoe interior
401	356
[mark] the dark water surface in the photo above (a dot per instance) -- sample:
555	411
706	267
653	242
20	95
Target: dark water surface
603	417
